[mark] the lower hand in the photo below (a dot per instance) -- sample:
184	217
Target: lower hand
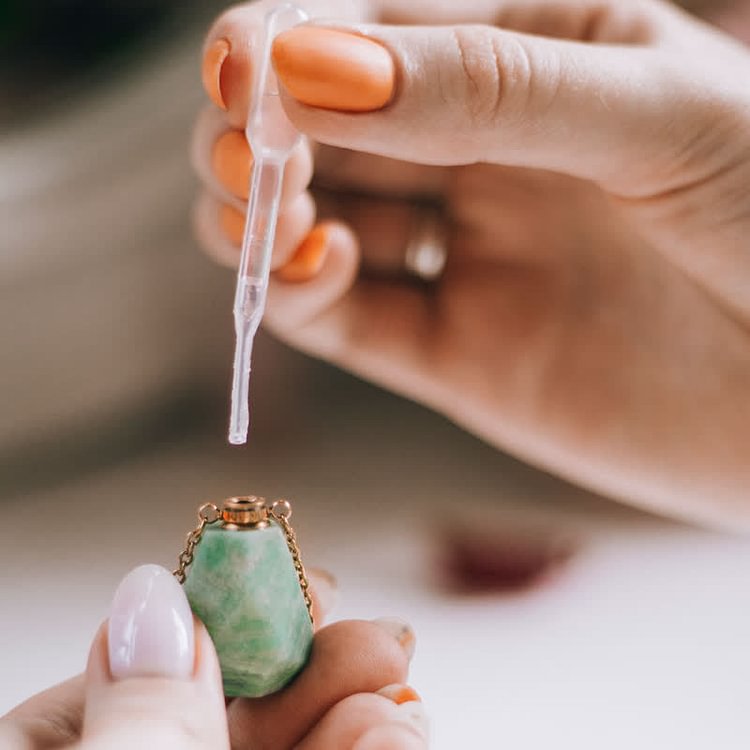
592	160
163	688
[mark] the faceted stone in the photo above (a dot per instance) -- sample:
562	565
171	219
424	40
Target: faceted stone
243	586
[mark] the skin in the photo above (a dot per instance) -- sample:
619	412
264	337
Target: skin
315	712
593	316
592	160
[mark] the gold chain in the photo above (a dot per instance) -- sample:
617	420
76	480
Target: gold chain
281	511
208	513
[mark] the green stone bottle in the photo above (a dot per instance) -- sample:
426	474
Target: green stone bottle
244	586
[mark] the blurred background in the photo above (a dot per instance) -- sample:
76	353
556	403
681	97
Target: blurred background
553	614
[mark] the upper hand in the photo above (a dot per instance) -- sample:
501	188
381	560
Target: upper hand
593	160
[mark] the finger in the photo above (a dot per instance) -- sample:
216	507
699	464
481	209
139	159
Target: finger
392	719
222	159
347	658
583	20
153	678
354	171
292	303
55	717
227	63
593	111
219	228
230	44
382	226
386	227
51	719
374	328
324	593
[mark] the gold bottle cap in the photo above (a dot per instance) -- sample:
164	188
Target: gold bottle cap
245	513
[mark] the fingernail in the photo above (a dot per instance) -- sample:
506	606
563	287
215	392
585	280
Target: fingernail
326	588
401	631
150	631
334	69
400	694
232	223
231	160
309	257
213	62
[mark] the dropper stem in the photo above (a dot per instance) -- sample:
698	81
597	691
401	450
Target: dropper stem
252	284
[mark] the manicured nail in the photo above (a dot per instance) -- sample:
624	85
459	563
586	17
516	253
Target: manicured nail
231	160
401	631
232	223
334	69
213	62
325	587
150	631
309	257
400	694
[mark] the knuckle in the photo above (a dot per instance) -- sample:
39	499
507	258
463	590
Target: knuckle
525	87
57	728
500	75
481	82
713	135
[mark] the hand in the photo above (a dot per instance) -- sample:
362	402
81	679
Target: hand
593	159
164	689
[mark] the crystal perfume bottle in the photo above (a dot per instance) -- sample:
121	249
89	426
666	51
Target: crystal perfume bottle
244	578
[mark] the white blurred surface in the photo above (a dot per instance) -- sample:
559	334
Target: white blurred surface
641	643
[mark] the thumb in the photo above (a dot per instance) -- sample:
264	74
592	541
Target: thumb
466	94
153	678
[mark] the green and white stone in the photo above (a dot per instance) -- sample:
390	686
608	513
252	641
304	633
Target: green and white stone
243	586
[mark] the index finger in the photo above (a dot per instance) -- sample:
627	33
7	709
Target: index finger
227	63
227	70
227	54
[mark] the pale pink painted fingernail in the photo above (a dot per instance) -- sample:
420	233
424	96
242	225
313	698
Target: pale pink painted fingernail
150	630
401	631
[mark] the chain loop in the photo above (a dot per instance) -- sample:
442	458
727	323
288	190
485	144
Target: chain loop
207	514
281	511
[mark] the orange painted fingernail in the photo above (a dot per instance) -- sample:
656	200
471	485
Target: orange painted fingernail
309	257
334	69
232	223
401	631
231	160
400	694
213	62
